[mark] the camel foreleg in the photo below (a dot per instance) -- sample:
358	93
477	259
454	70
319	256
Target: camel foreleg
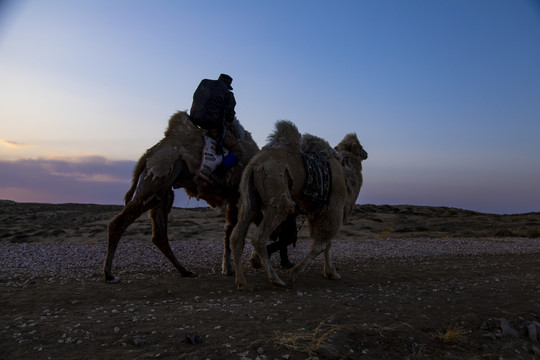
231	221
317	247
159	216
329	269
116	228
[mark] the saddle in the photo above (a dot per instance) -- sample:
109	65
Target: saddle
318	178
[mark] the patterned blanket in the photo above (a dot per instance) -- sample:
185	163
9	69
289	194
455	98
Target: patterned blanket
210	161
318	178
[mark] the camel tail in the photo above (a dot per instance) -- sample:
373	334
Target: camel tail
137	171
248	194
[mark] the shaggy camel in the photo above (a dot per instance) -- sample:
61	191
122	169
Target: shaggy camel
271	189
174	163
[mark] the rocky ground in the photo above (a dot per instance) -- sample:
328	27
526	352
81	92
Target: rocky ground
417	283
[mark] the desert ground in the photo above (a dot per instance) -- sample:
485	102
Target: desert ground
416	283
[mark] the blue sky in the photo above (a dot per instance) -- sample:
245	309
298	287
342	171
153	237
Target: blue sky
444	95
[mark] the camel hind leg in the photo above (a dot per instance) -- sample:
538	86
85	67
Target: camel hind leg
238	242
259	243
275	214
159	215
247	214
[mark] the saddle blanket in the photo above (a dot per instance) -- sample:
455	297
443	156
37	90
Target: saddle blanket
210	160
318	179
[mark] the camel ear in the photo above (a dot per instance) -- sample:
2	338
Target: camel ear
355	146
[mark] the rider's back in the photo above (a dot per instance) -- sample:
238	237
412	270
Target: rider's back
209	101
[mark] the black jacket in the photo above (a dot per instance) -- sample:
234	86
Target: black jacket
213	102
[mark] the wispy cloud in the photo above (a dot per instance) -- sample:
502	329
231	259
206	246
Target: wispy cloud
87	179
13	144
99	180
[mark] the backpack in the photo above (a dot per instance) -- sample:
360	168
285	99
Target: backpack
208	105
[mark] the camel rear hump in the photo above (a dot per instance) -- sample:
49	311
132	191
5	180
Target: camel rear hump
286	134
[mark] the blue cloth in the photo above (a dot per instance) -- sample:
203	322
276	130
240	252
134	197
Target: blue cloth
230	160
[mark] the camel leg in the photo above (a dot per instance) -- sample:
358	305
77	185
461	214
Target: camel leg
329	269
269	223
287	236
238	241
259	243
159	216
322	228
280	238
231	221
116	228
317	247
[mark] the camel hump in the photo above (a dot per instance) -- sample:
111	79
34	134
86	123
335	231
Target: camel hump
179	123
315	145
285	134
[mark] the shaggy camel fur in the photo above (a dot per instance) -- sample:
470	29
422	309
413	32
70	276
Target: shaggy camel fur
271	189
174	162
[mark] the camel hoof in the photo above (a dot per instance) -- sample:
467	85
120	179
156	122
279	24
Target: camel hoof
188	274
243	287
278	282
227	271
112	281
292	276
334	276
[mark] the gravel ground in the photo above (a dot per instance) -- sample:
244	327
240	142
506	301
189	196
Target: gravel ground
24	261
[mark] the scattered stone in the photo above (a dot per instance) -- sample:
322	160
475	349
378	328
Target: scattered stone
333	320
531	331
137	341
193	339
507	329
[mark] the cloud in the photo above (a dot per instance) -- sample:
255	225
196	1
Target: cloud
13	144
88	179
98	180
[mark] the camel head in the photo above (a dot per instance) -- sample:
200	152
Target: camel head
351	146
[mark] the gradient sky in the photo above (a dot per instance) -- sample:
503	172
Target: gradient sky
444	95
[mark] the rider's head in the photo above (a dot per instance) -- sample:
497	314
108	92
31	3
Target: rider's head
226	79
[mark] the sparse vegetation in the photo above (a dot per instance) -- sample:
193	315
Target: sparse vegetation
453	335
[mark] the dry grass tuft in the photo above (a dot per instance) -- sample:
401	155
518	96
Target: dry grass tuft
313	342
310	342
453	335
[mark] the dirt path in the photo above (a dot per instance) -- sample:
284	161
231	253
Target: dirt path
423	308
